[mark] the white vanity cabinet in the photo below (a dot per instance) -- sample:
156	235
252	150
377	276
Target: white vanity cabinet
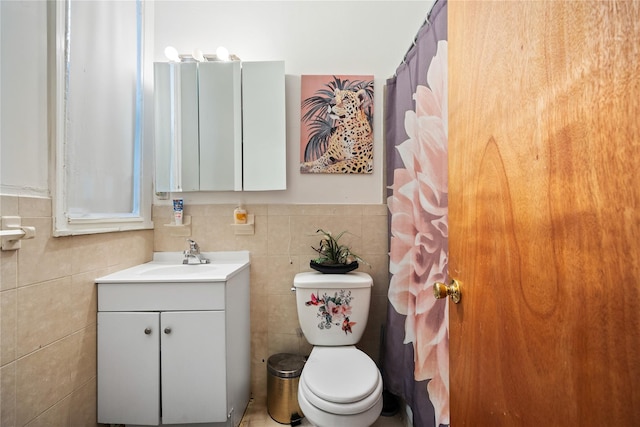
174	353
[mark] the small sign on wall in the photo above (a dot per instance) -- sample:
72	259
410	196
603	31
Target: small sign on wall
336	130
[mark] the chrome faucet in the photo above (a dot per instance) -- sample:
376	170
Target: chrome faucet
193	253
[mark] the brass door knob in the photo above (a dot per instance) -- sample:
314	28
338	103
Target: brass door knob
440	290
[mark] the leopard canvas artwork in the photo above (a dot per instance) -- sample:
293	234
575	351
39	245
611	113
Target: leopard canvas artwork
339	133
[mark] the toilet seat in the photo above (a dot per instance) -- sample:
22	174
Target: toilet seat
341	380
341	408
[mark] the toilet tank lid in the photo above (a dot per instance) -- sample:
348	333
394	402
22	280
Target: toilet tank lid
314	280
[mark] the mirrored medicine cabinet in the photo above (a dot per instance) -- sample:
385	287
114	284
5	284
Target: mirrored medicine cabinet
220	126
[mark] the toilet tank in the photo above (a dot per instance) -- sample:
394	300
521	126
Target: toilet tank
333	309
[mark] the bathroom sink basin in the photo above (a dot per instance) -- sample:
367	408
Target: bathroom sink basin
178	270
168	267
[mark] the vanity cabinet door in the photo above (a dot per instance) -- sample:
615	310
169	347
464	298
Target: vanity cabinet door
193	367
128	366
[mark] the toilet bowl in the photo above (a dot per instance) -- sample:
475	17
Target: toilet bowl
340	386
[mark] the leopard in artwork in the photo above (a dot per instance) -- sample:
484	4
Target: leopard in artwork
350	147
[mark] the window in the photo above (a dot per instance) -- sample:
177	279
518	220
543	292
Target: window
102	168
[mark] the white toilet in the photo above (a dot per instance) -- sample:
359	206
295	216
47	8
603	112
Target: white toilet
339	385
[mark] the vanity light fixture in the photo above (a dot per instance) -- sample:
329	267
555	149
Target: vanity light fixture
222	54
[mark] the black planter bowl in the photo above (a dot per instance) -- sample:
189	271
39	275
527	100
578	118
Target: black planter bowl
333	268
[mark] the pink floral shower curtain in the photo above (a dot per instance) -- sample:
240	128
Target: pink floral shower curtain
416	356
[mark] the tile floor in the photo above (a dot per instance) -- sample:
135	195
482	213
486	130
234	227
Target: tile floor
257	416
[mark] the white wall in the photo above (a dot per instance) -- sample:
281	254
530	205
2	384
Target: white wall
23	95
312	37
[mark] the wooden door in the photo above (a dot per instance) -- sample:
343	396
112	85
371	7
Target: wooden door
544	202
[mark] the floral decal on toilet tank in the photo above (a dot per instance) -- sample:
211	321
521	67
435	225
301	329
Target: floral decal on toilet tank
333	311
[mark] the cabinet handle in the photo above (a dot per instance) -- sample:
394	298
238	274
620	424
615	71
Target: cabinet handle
167	330
147	331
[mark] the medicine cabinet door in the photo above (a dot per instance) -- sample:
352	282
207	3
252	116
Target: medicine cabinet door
177	149
264	162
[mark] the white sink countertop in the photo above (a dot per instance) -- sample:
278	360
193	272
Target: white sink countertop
167	267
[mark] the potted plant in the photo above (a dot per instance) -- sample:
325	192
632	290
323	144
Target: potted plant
333	257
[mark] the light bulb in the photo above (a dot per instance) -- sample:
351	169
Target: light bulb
198	56
222	53
172	54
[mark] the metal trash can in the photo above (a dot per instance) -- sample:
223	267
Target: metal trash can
284	371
